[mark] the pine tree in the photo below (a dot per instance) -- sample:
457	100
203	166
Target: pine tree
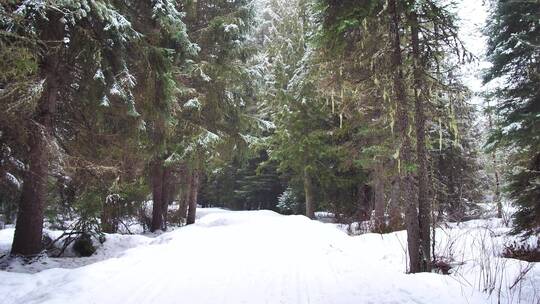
341	22
433	39
222	83
46	29
357	86
301	144
424	208
157	60
513	50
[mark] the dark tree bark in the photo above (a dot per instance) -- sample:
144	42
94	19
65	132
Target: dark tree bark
402	123
308	189
163	189
29	227
424	212
378	187
168	193
193	194
156	177
182	208
365	203
157	164
183	192
394	208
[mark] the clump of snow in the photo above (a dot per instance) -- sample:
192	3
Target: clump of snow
13	180
207	138
230	28
193	103
99	75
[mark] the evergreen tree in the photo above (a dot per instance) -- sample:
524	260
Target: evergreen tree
160	57
46	30
222	82
416	37
356	86
514	51
302	143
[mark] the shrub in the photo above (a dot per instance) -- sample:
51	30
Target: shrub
83	245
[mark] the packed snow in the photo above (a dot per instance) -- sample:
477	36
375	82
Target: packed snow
264	257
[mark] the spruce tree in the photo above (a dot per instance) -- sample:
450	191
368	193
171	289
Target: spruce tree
302	144
158	60
47	30
222	85
514	52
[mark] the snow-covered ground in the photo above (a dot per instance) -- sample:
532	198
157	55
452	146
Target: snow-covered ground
264	257
115	245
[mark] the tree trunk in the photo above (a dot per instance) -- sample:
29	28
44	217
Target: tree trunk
365	206
454	207
497	188
308	189
28	230
29	227
193	194
156	177
424	212
402	123
109	215
496	171
432	197
182	207
378	188
168	193
181	192
394	207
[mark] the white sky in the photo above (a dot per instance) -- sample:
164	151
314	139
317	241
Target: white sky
473	15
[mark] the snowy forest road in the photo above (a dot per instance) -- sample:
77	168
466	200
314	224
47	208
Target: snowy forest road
245	257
